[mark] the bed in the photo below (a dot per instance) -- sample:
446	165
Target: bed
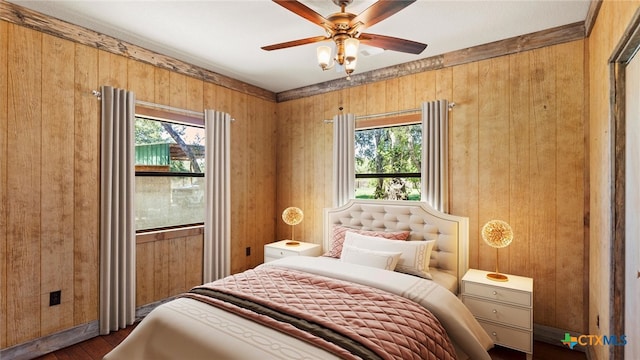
326	307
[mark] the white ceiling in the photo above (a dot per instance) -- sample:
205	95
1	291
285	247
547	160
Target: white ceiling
225	36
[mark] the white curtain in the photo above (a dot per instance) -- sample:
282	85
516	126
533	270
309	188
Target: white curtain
117	218
343	158
217	224
435	154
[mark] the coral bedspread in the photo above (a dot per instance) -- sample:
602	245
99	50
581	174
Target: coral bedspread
350	320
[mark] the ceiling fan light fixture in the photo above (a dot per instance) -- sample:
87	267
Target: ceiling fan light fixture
350	66
346	54
324	57
351	50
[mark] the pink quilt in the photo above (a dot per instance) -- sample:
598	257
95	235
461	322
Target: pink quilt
350	320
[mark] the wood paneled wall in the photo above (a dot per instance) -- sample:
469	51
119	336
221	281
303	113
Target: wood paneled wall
517	153
4	104
49	171
167	263
612	20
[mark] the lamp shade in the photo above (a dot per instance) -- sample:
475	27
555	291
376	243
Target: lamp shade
350	66
324	56
497	233
292	215
351	49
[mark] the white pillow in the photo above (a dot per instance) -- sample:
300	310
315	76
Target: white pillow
415	255
379	259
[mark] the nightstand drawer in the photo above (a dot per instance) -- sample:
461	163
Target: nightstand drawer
497	293
498	312
285	248
509	337
278	253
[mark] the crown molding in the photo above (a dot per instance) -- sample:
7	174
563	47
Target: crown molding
554	36
34	20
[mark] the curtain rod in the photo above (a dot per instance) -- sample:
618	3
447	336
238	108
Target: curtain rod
97	94
170	108
391	113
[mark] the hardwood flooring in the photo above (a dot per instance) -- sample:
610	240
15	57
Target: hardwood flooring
541	351
92	349
96	348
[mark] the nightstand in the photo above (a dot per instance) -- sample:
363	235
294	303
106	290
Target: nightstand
280	249
504	309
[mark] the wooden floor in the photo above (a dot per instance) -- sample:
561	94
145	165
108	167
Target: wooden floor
96	348
92	349
541	351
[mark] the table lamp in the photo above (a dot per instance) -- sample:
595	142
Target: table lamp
292	216
497	234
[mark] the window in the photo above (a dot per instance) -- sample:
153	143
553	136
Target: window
169	161
388	161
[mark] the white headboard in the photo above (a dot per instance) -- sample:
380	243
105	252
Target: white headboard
450	252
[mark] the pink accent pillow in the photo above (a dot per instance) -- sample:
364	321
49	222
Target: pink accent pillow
339	233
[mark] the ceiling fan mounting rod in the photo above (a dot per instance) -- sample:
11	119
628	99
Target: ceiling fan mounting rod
342	3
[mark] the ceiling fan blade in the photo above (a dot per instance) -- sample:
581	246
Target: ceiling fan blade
295	43
302	10
379	11
392	43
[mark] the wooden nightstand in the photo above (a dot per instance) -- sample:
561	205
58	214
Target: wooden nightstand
280	249
504	309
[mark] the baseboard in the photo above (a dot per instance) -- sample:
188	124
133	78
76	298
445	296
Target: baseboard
554	336
50	343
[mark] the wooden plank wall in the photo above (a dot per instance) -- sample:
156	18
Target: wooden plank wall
49	171
517	153
167	263
4	123
610	25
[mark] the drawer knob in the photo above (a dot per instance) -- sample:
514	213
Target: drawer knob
494	333
495	292
495	311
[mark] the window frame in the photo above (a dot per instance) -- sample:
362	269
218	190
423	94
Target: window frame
379	122
178	119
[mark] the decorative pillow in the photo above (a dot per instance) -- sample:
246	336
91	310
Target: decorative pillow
415	254
339	232
379	259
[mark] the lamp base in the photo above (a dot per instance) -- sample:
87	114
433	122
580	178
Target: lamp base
497	277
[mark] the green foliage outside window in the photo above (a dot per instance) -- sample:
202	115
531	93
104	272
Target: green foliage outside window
189	142
169	174
388	162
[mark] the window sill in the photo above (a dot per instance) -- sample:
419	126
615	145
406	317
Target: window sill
169	234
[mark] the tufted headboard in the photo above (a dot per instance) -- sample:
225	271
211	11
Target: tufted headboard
450	252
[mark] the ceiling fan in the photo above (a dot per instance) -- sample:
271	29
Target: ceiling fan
345	29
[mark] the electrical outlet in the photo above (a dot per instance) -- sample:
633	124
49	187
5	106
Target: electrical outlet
247	251
55	297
